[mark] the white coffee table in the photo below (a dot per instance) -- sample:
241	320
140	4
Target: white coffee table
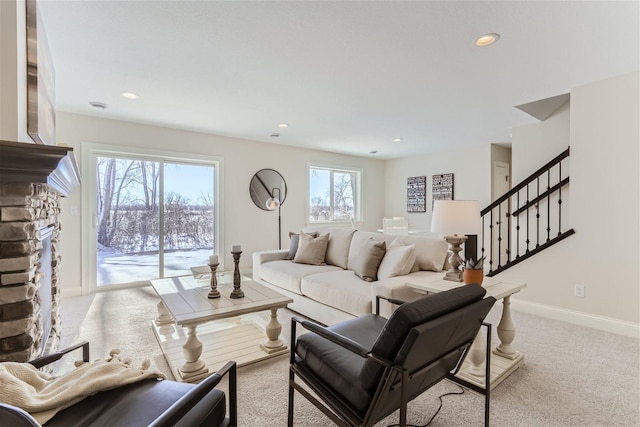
504	359
189	322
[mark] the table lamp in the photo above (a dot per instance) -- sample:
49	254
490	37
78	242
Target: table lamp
454	219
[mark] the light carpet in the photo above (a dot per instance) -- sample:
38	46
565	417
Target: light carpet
572	375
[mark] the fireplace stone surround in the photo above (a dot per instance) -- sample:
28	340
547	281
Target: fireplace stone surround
33	178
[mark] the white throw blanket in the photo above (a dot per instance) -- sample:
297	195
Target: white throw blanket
43	395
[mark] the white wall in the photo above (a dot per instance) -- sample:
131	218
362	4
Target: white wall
471	168
244	223
13	72
603	255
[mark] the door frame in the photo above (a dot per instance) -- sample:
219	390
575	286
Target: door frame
503	221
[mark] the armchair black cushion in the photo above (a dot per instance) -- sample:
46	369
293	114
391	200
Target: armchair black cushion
145	403
355	366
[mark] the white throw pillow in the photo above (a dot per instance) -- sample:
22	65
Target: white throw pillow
311	250
431	252
397	261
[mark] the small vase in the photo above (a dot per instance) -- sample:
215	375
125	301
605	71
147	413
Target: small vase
472	276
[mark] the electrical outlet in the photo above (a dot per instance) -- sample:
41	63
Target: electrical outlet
578	291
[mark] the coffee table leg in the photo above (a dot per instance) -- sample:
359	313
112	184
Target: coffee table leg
164	317
192	350
273	330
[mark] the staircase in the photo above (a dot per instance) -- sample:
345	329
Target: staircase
528	218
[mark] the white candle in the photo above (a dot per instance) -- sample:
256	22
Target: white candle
213	259
236	248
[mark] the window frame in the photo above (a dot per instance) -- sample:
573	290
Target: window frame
90	151
357	196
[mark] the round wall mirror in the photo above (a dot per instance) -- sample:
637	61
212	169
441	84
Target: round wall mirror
268	189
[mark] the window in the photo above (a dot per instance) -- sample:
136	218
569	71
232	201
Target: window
334	194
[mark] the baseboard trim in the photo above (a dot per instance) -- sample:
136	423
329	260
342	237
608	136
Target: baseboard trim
602	323
70	293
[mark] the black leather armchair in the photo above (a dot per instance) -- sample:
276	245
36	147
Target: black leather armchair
364	369
144	403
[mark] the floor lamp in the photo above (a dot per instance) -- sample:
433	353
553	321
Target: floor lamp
273	203
454	219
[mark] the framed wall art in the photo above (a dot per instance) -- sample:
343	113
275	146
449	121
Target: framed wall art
417	194
442	187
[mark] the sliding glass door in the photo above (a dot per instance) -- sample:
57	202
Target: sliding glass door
154	217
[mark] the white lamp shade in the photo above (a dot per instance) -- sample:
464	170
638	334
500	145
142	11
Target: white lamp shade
272	203
456	217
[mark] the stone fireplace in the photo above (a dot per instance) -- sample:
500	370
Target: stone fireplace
33	178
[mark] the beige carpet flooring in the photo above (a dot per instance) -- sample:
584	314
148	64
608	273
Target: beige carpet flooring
572	376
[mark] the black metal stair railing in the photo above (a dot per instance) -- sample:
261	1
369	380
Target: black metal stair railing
527	219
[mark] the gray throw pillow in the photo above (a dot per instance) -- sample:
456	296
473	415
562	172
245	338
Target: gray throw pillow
311	250
367	260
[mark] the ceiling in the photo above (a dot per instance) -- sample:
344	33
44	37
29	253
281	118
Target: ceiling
346	76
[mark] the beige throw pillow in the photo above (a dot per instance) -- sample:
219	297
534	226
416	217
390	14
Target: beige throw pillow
338	248
397	261
293	247
311	250
367	260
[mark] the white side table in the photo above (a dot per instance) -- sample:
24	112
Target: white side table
504	359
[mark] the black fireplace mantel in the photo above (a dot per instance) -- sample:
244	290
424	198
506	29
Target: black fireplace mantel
54	165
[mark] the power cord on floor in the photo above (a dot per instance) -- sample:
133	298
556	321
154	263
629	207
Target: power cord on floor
437	411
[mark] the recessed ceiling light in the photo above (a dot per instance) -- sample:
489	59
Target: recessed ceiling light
373	151
283	125
487	39
130	95
397	139
98	105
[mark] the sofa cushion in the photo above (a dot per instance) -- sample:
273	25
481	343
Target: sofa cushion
340	289
367	260
398	260
311	250
287	275
338	247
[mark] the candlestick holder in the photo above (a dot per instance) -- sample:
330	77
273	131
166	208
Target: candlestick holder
237	292
214	292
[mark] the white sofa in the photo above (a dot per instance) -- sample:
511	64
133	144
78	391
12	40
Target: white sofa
332	292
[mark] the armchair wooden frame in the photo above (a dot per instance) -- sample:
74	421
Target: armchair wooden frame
394	379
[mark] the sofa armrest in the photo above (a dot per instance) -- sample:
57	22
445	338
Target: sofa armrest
261	257
175	412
